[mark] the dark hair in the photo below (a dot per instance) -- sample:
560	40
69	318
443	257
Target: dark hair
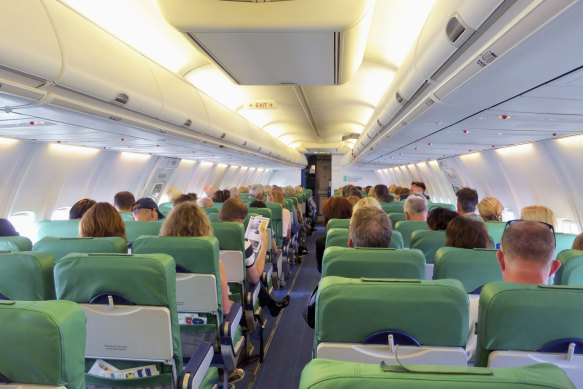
220	196
184	198
336	208
7	229
124	200
465	233
80	207
233	209
381	192
439	218
467	198
257	204
352	191
419	184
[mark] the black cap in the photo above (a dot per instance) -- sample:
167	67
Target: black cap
147	203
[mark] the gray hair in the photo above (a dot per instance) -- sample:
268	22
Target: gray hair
415	204
289	191
255	189
234	192
370	227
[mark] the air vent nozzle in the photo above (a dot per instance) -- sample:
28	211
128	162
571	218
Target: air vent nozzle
399	97
188	123
122	98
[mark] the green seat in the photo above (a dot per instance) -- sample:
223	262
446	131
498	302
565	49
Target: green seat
564	241
57	228
136	229
432	206
373	263
43	343
406	228
15	243
394	207
571	270
339	237
396	217
327	374
338	223
354	318
495	229
428	242
126	216
146	280
277	222
27	275
59	247
473	267
210	210
218	205
213	217
165	208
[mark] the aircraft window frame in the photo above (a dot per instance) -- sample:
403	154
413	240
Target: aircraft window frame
568	226
61	213
25	223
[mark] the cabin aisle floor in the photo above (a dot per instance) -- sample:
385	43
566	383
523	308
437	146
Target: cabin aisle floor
288	339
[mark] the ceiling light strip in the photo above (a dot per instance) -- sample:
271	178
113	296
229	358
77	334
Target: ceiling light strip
301	95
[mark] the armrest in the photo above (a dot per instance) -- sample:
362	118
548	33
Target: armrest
251	297
231	321
195	371
267	269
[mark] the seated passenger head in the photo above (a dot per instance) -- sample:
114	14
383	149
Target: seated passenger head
466	233
415	208
418	187
467	199
336	208
578	242
220	196
369	227
146	210
276	196
351	190
352	199
233	210
381	193
299	189
186	219
7	229
80	207
102	220
184	198
173	194
289	191
208	191
205	202
234	192
491	209
257	204
539	213
526	253
243	189
256	191
439	218
366	202
123	201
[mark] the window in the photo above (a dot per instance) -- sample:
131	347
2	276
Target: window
25	224
567	226
61	213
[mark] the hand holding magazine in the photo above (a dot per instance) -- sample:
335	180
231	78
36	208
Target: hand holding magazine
257	225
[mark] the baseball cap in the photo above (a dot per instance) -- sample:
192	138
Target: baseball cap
147	203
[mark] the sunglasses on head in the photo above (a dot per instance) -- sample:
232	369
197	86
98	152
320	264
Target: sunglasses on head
550	226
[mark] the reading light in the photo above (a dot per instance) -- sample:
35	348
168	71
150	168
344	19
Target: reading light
571	140
8	141
134	156
68	149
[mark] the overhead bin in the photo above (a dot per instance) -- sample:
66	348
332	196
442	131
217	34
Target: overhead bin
99	65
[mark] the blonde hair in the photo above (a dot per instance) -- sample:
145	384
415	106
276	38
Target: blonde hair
173	194
102	220
539	213
366	202
491	209
352	200
186	219
277	197
578	242
243	189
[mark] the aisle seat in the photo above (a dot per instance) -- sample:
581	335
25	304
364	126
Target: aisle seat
277	225
327	374
57	228
394	207
522	324
396	217
361	320
495	229
432	206
210	210
43	343
136	229
26	275
338	223
406	228
339	237
571	270
59	247
373	263
473	267
15	243
428	242
165	208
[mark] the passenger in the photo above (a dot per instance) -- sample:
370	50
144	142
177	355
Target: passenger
415	208
467	200
80	207
146	210
366	202
404	193
465	233
256	191
123	202
234	192
208	191
578	242
381	193
418	187
184	198
276	196
352	199
220	196
102	220
366	189
439	218
369	227
205	202
491	209
187	219
7	229
539	213
333	208
243	189
172	194
235	210
371	191
257	204
289	191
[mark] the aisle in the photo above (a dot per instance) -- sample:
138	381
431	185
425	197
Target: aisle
289	340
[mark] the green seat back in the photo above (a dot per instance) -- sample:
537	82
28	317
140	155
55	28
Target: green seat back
43	343
213	217
373	263
473	267
339	237
165	208
59	247
406	228
289	204
136	229
328	374
244	196
145	279
231	235
394	207
564	241
294	201
571	270
396	217
495	229
27	275
350	309
524	317
432	206
57	228
428	242
218	205
210	210
264	212
196	254
338	223
277	222
15	243
126	216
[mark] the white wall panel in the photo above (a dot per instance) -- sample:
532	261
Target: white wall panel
356	177
286	177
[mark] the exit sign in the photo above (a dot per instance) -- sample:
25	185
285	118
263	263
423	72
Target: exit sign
264	104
